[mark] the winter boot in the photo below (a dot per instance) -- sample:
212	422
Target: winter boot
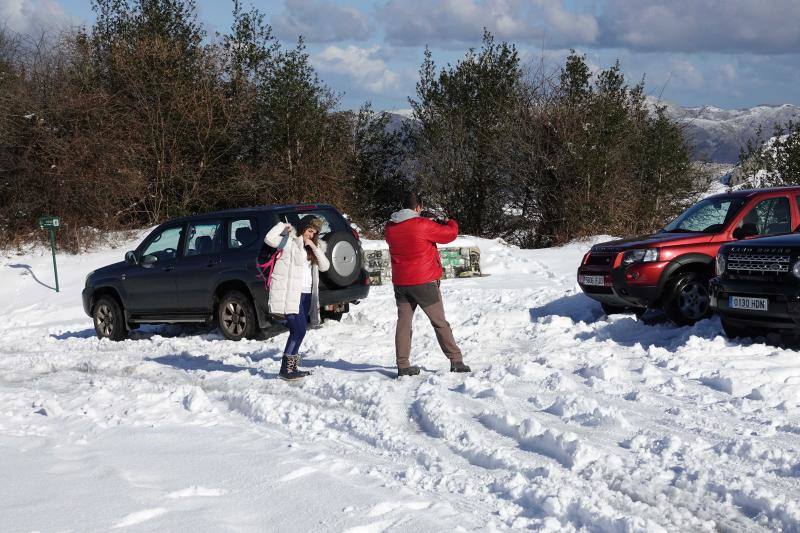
296	368
459	366
408	371
289	369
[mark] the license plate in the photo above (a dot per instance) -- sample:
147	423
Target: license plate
751	304
594	280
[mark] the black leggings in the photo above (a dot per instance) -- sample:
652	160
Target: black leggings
297	324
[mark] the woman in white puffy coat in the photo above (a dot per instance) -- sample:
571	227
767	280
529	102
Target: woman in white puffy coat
294	290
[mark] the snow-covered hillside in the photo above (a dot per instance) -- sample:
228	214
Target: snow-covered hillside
571	420
718	134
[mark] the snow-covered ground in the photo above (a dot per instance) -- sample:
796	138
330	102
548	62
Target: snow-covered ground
571	420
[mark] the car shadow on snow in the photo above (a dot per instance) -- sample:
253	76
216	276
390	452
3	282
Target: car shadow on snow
628	331
80	334
577	307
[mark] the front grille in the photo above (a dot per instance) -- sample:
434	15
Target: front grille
601	259
759	263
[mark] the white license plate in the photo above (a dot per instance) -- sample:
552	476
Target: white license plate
594	280
751	304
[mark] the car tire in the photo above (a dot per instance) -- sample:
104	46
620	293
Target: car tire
236	316
688	299
109	319
344	254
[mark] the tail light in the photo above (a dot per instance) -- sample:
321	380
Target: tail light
586	257
355	234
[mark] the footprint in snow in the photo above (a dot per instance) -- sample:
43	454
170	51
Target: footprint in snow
304	471
193	491
139	516
387	507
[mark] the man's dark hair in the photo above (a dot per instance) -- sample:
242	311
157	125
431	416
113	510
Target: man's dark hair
411	200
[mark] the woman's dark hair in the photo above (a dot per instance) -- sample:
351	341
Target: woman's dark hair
314	223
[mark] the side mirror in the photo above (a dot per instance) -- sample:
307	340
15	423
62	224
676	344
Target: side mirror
131	258
745	230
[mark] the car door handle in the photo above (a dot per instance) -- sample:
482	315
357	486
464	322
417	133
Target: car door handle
212	262
169	268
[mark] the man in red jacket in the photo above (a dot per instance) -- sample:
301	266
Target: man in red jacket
416	270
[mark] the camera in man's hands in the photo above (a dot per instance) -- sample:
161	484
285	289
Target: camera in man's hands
439	218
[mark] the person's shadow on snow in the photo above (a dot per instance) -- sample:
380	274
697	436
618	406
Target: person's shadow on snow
337	364
185	361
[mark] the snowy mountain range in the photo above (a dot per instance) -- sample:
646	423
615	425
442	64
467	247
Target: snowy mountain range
717	134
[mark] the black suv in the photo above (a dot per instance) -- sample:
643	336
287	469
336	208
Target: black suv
203	268
757	288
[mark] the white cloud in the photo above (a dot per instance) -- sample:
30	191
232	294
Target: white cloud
362	65
33	16
415	22
321	21
685	73
703	25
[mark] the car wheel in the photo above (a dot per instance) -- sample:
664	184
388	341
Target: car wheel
344	254
109	320
688	299
236	317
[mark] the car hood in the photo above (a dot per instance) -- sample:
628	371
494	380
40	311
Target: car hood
791	240
109	270
656	240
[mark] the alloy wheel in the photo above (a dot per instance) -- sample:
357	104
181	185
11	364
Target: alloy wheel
105	320
693	300
234	319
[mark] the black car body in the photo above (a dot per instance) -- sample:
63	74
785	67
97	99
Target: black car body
757	288
185	268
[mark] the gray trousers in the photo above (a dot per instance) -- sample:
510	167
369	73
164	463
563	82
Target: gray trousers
428	297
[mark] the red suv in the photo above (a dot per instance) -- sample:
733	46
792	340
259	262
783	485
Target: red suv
671	269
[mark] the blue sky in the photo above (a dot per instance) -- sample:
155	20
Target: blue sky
725	53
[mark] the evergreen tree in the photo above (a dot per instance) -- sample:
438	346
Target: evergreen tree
772	163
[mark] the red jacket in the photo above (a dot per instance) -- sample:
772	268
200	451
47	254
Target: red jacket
412	246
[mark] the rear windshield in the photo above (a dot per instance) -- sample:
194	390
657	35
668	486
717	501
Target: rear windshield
706	216
332	220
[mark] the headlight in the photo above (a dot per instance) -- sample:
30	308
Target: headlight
644	255
796	269
722	264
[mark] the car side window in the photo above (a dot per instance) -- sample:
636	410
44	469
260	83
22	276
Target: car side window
768	217
204	238
242	233
163	247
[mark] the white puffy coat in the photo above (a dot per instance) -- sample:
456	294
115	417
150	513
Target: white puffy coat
287	275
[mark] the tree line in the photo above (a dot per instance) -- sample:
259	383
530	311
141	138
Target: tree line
144	117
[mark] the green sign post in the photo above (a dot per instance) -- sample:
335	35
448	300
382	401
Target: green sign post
51	224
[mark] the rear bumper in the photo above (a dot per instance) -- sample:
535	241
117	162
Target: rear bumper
347	294
783	308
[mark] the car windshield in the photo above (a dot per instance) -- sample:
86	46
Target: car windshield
707	216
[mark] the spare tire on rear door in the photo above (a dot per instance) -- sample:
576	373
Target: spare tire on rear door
344	253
